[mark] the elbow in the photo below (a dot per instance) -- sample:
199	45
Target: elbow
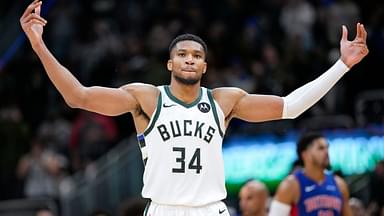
74	102
292	114
294	107
291	111
75	99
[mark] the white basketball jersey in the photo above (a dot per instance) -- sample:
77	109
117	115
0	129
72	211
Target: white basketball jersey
181	149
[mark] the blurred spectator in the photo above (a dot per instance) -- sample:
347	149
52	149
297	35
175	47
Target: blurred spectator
377	187
297	19
44	212
340	12
41	170
92	135
254	199
14	135
55	131
357	207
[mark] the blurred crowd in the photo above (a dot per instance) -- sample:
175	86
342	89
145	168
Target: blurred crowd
265	47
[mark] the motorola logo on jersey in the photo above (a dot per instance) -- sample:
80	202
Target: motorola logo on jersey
204	107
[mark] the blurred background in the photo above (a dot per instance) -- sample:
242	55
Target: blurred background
73	162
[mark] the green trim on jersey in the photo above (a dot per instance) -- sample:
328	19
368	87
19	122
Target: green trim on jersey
156	116
146	208
210	97
172	97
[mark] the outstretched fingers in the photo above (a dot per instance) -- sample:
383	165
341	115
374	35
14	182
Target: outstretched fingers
344	36
358	31
361	33
38	9
36	17
30	8
364	33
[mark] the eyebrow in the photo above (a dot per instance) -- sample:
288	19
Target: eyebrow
184	50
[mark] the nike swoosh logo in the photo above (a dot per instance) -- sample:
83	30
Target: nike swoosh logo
221	211
168	105
310	188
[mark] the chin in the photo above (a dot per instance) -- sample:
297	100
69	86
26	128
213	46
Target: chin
187	81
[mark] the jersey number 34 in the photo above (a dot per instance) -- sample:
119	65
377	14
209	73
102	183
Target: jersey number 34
194	163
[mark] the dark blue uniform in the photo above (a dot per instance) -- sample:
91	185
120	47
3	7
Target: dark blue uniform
323	199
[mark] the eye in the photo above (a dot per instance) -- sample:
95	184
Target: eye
197	56
181	54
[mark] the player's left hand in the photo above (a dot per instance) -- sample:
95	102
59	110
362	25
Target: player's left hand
352	52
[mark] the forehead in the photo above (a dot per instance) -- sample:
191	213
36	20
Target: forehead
319	142
189	45
244	192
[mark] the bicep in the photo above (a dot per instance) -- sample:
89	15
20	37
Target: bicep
107	101
258	108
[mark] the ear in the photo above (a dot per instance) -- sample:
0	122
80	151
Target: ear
170	65
205	67
303	155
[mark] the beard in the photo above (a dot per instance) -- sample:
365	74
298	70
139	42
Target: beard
186	81
324	164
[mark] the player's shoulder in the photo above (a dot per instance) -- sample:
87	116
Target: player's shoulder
290	182
228	92
138	89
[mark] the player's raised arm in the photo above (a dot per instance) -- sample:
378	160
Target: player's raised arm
107	101
256	108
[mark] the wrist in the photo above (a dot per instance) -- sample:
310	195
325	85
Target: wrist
341	66
37	45
346	63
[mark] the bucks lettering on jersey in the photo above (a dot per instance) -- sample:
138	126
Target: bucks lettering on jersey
181	149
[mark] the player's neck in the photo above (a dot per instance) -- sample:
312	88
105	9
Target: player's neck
185	93
314	173
262	213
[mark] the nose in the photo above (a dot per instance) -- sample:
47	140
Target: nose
189	60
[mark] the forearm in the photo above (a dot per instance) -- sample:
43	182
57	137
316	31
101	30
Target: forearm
304	97
68	86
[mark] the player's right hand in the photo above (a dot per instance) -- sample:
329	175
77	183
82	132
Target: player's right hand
32	23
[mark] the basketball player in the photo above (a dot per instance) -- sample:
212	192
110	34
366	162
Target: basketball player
181	126
253	198
312	191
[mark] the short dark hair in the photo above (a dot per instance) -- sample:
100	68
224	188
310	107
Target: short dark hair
304	142
191	37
